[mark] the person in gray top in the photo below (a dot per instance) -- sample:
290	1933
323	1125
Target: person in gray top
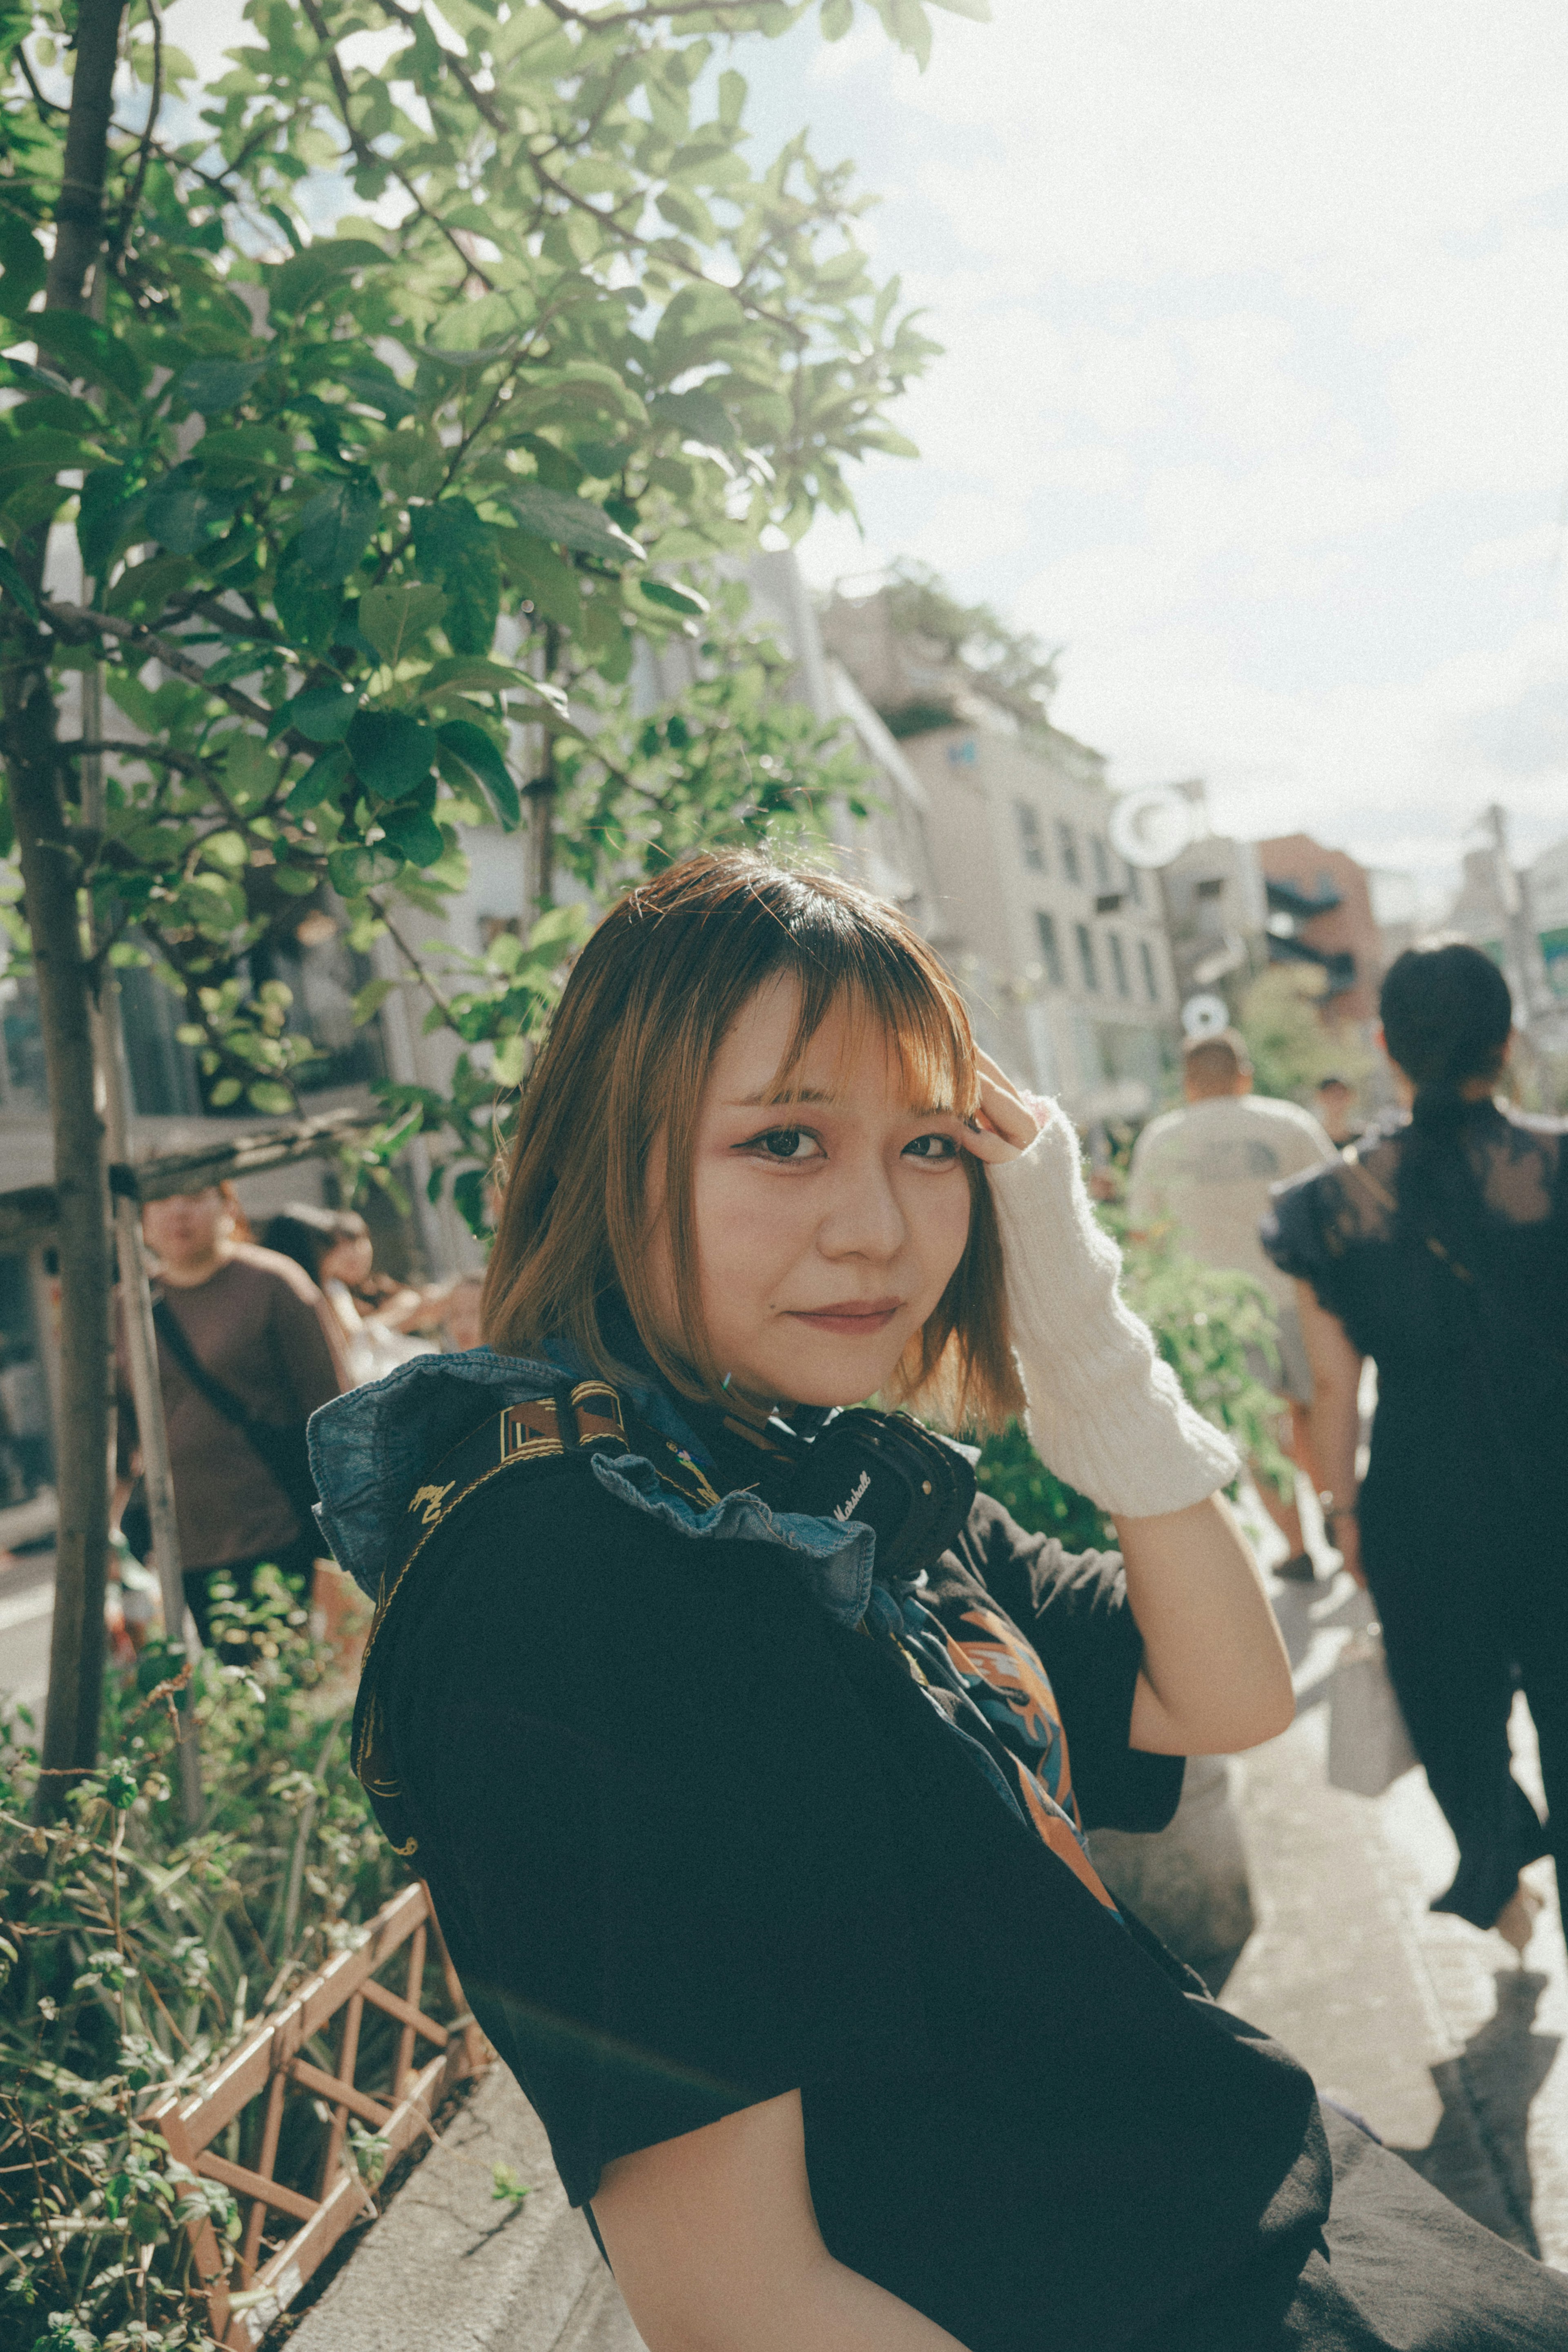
1204	1174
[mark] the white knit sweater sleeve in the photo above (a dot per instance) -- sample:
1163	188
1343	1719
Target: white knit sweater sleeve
1104	1412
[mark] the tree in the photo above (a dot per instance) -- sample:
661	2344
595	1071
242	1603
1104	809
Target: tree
1293	1048
368	521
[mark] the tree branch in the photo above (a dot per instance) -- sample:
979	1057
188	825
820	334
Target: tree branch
76	623
367	154
132	204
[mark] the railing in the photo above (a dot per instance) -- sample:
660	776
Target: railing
272	2062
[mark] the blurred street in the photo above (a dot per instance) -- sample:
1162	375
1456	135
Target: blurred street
27	1607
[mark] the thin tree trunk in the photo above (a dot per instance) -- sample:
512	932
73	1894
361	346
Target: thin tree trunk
78	216
50	879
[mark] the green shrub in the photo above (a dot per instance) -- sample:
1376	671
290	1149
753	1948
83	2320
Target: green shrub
137	1955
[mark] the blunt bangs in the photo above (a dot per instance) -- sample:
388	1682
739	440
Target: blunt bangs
620	1081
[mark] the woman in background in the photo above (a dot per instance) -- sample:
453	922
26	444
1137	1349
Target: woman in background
334	1247
1438	1246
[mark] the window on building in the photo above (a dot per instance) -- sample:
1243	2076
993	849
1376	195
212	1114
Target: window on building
1087	964
1067	842
1135	885
1211	887
1102	863
1151	979
1031	839
1119	963
1050	949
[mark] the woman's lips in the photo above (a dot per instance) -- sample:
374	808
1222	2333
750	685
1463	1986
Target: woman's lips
850	1319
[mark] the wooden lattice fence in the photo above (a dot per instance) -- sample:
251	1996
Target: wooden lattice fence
273	2065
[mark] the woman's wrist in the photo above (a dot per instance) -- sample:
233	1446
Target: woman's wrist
1105	1414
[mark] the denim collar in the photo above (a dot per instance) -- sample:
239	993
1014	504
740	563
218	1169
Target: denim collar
370	1449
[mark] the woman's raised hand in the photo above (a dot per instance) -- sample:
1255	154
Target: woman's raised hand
1006	1125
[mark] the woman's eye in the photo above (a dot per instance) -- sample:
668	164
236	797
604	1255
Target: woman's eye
937	1147
785	1143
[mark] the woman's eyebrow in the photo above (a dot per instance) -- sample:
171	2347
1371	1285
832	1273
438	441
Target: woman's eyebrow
770	1099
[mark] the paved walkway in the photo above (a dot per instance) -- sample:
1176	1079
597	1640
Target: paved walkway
1428	2027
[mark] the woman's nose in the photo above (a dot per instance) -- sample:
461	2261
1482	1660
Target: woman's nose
863	1220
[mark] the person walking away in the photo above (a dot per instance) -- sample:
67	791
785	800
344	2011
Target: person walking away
252	1328
1334	1100
1204	1172
1438	1246
334	1247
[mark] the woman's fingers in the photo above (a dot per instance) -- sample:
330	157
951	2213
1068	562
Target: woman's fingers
1003	1109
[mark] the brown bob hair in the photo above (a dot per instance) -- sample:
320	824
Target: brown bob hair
622	1074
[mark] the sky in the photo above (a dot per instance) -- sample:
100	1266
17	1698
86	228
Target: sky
1255	393
1254	397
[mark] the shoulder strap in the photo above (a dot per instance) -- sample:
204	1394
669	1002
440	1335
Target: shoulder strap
222	1400
577	1422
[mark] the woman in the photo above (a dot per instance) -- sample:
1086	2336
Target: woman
334	1247
243	1336
747	1752
1440	1247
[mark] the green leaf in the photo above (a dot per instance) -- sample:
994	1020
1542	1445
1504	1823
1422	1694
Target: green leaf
307	613
226	849
573	523
396	617
322	714
294	284
22	263
182	513
546	578
467	674
319	783
268	1094
376	386
470	744
353	870
107	511
250	770
335	528
454	547
696	415
838	15
88	350
210	386
47	451
15	587
370	999
413	831
391	752
673	599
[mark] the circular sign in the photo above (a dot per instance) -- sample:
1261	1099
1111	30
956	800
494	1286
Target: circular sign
1205	1016
1149	828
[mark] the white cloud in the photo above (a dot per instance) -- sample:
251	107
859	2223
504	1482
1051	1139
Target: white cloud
1256	390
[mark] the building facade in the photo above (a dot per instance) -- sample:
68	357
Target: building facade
1320	913
1059	945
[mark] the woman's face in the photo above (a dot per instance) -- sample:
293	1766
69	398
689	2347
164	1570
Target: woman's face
349	1261
830	1216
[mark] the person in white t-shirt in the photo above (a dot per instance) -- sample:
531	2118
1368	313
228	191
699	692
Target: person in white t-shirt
1204	1174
